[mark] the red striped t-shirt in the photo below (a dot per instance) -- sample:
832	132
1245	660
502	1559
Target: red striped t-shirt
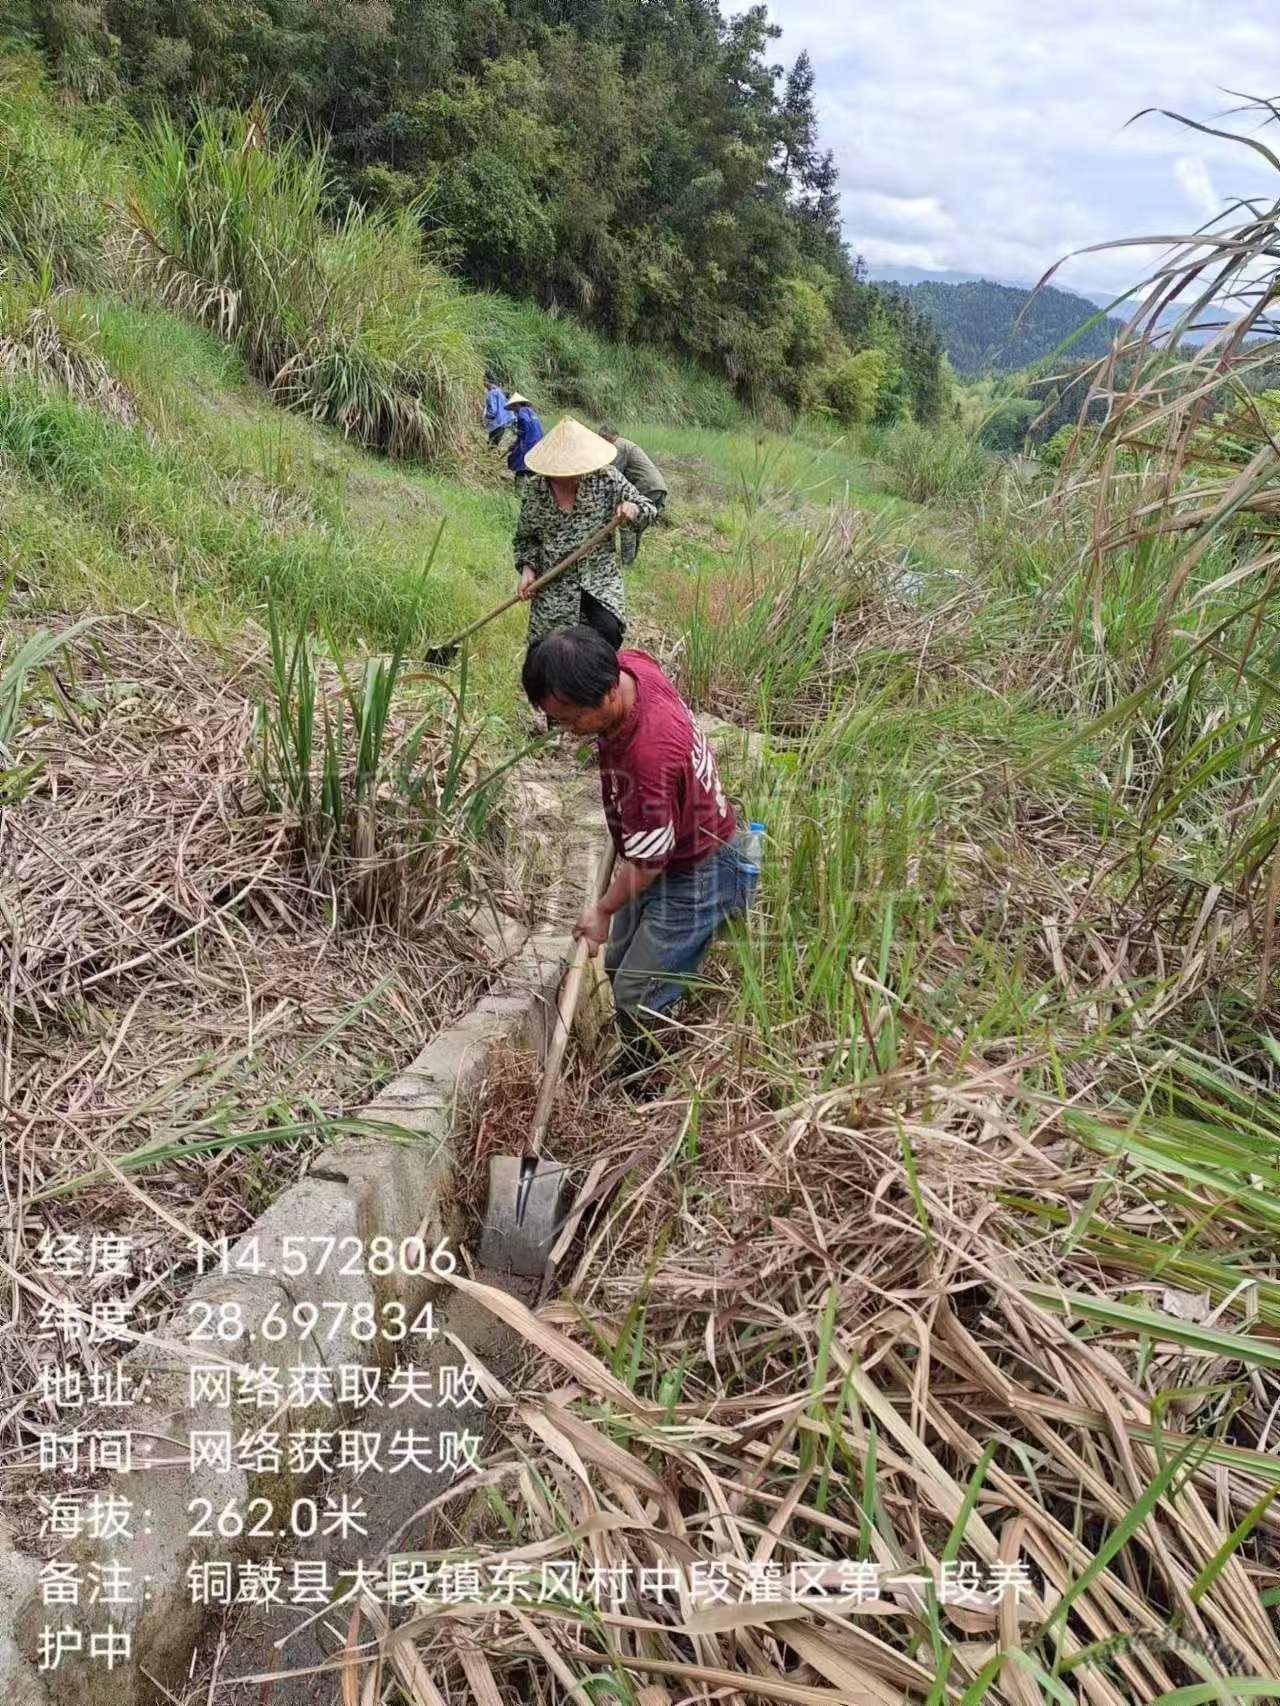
662	795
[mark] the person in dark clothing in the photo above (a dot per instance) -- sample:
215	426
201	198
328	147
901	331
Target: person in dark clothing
570	493
528	432
497	416
644	474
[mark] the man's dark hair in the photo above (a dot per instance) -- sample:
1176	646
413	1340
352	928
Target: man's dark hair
608	430
577	665
490	378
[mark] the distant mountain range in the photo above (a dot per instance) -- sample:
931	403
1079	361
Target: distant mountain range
918	275
970	322
989	327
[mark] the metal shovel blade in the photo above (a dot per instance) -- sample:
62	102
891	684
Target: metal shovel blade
523	1213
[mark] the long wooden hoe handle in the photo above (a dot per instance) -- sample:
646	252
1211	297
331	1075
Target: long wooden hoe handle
565	1010
583	550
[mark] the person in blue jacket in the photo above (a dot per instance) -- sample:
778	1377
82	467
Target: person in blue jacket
497	416
528	430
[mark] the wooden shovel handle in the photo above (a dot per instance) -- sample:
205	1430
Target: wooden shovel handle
553	573
566	1007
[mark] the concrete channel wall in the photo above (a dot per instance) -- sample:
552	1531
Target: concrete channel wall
399	1186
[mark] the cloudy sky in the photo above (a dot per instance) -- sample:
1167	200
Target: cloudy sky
988	136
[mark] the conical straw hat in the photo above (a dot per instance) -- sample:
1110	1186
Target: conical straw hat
515	399
569	449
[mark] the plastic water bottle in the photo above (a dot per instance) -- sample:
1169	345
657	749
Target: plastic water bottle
753	849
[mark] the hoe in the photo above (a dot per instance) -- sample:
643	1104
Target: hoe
444	654
523	1214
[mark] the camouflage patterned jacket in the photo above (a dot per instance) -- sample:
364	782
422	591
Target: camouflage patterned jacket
545	534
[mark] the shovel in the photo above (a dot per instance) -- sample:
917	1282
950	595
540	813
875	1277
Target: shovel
522	1216
446	653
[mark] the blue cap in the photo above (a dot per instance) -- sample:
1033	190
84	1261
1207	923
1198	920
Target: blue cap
758	826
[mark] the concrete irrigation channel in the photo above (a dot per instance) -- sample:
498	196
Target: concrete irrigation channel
378	1209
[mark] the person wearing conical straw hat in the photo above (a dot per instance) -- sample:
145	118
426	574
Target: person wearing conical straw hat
575	492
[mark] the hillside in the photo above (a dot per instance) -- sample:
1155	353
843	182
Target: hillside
997	328
643	168
927	1031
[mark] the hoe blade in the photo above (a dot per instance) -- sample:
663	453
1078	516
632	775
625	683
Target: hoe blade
523	1214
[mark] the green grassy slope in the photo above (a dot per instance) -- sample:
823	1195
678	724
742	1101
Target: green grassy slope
216	498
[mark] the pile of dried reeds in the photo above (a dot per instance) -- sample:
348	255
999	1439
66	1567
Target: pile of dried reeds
184	1016
136	837
894	1395
51	340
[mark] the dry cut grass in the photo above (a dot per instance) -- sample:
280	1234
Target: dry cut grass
893	1336
186	1014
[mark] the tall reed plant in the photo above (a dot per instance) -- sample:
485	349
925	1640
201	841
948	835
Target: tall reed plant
389	805
53	184
1172	479
768	644
344	319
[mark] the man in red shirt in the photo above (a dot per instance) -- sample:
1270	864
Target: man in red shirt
681	872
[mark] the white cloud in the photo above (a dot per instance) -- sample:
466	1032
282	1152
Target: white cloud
994	136
920	215
884	256
1193	176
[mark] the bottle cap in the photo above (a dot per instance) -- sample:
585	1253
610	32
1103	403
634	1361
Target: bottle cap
756	826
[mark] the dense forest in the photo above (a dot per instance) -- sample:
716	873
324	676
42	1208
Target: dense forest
639	164
999	328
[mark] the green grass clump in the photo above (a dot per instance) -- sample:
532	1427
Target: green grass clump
772	660
53	216
878	835
931	464
387	812
351	325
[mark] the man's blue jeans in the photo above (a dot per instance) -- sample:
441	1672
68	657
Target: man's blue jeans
659	940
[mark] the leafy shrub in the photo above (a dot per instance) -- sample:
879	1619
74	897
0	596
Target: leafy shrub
489	210
1053	453
853	385
1005	426
892	399
810	330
